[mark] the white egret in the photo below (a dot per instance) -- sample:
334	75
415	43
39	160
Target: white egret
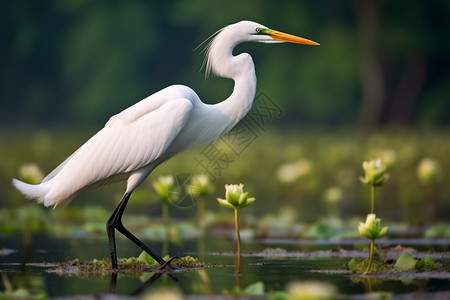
138	139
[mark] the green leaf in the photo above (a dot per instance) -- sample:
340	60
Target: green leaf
224	202
278	295
22	293
364	180
428	260
247	203
383	232
405	262
256	288
420	266
424	263
145	257
353	263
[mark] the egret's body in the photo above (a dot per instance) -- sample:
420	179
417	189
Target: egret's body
141	137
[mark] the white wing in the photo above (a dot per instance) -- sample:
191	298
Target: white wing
129	141
131	114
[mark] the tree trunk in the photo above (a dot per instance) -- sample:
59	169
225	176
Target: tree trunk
373	86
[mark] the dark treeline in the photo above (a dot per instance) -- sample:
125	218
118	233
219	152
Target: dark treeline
78	62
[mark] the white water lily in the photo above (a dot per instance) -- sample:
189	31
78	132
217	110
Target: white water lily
333	194
165	188
429	171
290	172
235	197
31	173
374	173
308	290
200	186
372	228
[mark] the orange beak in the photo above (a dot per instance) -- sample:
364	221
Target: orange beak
284	37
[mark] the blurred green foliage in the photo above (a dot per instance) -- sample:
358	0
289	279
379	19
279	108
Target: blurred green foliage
79	62
335	159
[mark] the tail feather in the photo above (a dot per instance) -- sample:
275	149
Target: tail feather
31	191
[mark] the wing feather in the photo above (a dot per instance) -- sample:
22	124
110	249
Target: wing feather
124	145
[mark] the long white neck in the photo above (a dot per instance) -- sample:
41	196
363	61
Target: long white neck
240	68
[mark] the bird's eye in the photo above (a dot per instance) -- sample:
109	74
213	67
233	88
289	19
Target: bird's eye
258	30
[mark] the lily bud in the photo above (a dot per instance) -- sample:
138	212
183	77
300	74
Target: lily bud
429	171
235	197
372	228
165	188
374	173
31	173
200	186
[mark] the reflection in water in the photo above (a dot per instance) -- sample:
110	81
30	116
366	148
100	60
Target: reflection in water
274	272
143	287
22	284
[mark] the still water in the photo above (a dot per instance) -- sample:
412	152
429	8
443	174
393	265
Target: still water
25	266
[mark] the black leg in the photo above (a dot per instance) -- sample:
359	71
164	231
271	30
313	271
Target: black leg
113	283
115	222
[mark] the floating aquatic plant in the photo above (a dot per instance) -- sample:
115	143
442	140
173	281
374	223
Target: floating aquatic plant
200	187
236	198
372	230
182	262
31	173
405	263
429	172
290	172
303	290
374	176
166	193
332	196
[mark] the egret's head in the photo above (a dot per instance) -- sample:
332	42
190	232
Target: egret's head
259	33
221	43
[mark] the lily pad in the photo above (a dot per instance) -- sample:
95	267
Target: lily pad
406	262
353	264
256	288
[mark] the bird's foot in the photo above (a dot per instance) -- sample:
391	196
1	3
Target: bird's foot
167	266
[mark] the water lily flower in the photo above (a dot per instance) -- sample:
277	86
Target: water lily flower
165	188
372	230
307	290
374	173
374	176
200	186
167	192
290	172
429	171
333	194
31	173
235	197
